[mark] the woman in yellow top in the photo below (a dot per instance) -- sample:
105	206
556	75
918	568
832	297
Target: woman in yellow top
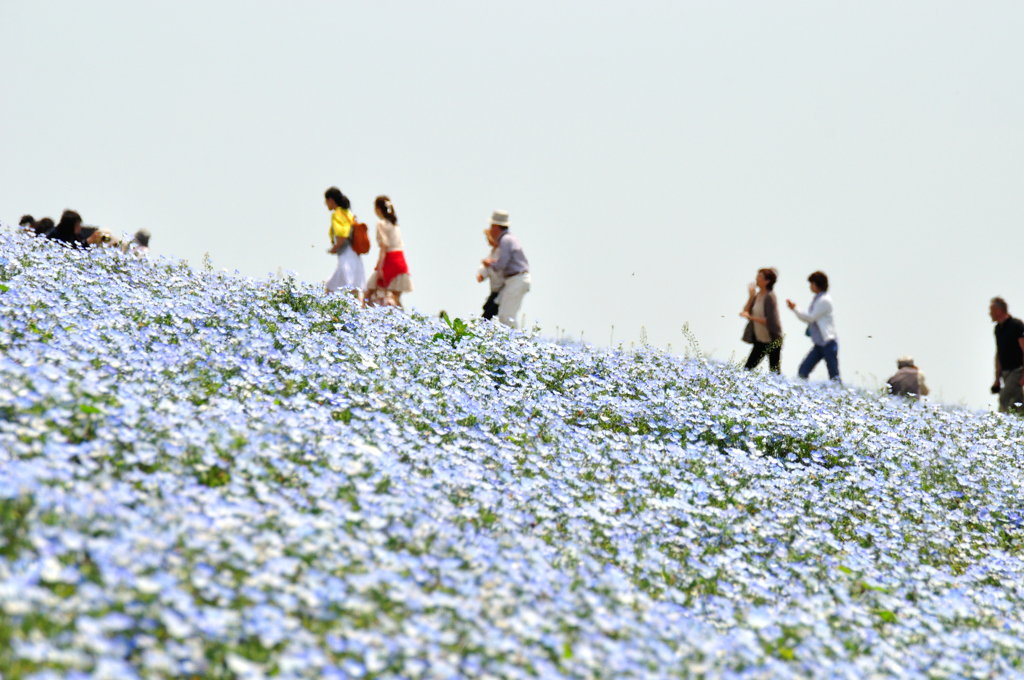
349	273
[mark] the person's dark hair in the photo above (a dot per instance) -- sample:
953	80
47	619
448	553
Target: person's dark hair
770	276
42	226
65	230
383	204
820	280
334	193
142	237
1001	304
26	220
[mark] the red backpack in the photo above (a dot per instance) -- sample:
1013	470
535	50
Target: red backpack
360	238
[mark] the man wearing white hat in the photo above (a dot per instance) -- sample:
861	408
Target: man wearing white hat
513	265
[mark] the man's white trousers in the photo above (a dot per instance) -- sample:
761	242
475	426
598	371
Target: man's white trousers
511	298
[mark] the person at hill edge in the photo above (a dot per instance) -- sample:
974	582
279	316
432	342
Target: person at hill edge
68	230
349	272
820	327
141	240
390	278
764	329
908	381
512	264
42	227
1009	357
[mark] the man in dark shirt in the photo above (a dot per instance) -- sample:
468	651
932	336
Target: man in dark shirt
1009	357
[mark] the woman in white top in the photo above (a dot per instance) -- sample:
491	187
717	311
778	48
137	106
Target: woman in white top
390	278
496	279
820	327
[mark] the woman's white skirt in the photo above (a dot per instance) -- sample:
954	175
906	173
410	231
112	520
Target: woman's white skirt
399	284
349	273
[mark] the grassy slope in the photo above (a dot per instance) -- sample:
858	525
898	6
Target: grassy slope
202	475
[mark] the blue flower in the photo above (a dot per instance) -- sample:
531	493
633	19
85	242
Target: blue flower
207	469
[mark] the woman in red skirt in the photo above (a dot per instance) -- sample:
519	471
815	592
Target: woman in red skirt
390	277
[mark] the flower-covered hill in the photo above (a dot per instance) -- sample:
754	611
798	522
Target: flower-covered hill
208	476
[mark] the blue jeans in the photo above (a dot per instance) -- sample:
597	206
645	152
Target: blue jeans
829	352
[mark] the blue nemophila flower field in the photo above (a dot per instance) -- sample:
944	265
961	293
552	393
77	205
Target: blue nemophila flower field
203	475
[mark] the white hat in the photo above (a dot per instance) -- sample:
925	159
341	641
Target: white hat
905	360
500	217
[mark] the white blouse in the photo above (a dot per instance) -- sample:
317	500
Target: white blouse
389	236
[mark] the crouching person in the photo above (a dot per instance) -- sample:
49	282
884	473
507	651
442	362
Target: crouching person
908	381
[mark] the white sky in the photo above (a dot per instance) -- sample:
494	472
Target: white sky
652	155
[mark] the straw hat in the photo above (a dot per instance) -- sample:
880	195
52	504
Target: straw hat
500	218
904	361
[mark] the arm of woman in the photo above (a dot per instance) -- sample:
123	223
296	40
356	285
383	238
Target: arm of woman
747	307
819	308
805	317
340	244
750	306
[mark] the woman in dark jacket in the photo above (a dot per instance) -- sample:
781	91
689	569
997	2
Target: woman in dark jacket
764	330
68	230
